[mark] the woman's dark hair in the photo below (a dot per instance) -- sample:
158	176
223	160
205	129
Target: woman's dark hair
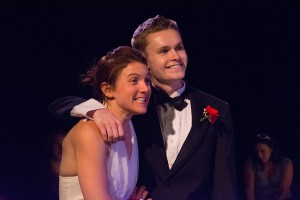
109	67
276	155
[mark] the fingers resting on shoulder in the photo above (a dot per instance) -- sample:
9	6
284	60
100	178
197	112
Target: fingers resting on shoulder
109	125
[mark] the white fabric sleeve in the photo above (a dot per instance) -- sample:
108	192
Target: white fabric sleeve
81	109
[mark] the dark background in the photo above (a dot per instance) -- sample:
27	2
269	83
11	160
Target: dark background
246	54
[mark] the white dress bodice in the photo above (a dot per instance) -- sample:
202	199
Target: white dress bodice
122	173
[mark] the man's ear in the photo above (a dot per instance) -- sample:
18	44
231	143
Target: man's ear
107	90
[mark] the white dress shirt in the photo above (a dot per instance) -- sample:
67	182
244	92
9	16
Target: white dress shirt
176	129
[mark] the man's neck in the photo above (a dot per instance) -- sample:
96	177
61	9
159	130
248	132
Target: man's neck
169	88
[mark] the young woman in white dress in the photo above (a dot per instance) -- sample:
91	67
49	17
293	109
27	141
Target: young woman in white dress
91	169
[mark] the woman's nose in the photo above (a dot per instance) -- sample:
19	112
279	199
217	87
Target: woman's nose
145	87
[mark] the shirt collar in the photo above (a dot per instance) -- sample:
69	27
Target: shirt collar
177	92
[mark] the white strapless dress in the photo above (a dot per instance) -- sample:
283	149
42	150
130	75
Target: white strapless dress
122	173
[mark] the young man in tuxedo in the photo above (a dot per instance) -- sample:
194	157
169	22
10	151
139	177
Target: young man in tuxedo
186	140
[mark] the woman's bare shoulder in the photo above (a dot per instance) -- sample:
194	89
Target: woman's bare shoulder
84	131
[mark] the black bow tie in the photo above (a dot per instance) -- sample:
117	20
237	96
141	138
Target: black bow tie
177	102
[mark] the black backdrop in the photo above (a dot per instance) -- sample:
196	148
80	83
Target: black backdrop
246	54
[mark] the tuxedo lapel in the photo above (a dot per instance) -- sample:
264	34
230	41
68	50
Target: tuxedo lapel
153	140
197	132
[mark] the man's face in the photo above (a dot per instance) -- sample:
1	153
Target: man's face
166	57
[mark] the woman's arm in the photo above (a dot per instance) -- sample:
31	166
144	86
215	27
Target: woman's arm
249	180
91	153
286	180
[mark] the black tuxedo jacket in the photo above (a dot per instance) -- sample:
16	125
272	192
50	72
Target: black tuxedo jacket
205	167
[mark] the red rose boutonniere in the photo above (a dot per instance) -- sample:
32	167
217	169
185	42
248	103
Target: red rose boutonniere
211	114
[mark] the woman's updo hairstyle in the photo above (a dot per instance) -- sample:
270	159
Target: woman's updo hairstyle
109	67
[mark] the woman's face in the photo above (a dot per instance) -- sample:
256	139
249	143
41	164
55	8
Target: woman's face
264	152
132	90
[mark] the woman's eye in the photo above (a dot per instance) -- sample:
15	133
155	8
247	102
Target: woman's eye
133	80
164	51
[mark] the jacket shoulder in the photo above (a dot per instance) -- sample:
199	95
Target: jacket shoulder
208	97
